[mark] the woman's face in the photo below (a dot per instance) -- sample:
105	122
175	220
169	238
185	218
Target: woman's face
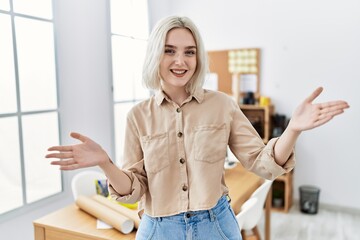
178	63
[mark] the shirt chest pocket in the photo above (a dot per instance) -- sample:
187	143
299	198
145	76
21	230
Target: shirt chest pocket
156	152
210	143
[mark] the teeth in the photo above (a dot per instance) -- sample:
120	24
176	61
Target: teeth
179	72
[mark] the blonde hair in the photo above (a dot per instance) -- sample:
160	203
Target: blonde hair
156	48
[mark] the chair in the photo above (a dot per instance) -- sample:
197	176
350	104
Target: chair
254	215
83	183
245	210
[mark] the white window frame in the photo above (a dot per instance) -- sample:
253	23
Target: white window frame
116	138
26	206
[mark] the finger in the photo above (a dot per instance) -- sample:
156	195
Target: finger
331	113
329	108
61	148
67	162
70	167
314	95
62	155
66	165
78	136
333	105
323	120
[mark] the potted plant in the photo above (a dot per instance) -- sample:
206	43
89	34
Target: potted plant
278	198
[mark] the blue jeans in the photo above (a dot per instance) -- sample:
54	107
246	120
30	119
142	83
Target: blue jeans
215	224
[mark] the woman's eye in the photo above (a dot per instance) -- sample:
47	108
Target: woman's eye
190	53
169	51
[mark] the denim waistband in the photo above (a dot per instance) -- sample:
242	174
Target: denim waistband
194	216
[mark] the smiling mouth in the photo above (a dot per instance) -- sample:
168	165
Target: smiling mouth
178	72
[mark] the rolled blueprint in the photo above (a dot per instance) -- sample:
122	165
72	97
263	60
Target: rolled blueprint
131	214
105	214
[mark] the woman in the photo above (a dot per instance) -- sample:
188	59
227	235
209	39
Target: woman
176	143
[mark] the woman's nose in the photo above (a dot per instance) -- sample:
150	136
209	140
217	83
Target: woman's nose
179	59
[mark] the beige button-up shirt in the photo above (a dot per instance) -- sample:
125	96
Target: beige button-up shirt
174	155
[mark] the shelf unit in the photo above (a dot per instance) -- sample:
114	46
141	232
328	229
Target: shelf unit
260	117
234	67
283	183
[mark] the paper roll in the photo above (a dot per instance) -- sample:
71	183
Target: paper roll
105	214
131	214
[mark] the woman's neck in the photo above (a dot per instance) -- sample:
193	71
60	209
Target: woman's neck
177	95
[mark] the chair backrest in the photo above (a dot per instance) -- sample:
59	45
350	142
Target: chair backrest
245	211
256	212
262	191
83	183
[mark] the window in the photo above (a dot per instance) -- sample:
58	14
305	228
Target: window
28	103
129	33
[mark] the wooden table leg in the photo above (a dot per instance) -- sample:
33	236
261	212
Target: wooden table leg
268	215
39	233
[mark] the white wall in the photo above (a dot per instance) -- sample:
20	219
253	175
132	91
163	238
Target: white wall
304	44
85	93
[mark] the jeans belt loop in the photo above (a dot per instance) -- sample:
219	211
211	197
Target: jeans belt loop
212	215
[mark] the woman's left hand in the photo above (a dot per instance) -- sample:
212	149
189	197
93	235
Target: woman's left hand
309	115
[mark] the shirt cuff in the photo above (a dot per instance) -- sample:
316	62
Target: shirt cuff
132	197
268	161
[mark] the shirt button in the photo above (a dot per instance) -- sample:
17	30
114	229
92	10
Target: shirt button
184	188
182	161
179	134
178	110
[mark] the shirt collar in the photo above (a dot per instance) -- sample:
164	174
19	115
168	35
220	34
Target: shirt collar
198	95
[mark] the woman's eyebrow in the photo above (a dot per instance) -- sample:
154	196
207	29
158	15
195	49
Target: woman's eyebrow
169	46
172	46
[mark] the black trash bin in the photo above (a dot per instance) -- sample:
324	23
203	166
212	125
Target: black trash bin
309	199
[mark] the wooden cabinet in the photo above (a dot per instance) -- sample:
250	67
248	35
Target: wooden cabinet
260	118
282	189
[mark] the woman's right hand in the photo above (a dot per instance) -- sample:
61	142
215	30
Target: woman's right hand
86	154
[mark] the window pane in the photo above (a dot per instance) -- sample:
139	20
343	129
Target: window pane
36	60
128	57
121	111
4	5
130	18
39	132
140	19
121	16
7	75
122	68
140	91
10	171
37	8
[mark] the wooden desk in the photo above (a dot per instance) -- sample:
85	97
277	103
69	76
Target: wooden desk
71	223
242	184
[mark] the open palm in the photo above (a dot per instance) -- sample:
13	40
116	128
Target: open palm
309	115
86	154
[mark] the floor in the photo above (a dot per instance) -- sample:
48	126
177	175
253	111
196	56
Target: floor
327	224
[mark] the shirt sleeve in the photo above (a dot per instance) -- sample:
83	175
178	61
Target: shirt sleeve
250	150
132	165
